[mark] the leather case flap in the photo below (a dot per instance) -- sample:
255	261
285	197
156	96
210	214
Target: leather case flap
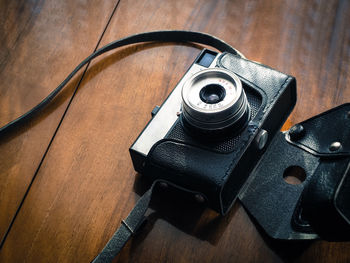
326	134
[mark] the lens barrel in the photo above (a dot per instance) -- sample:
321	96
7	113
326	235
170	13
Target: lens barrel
214	100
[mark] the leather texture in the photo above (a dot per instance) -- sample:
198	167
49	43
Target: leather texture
323	130
261	75
325	200
220	176
342	197
319	203
319	206
271	200
189	166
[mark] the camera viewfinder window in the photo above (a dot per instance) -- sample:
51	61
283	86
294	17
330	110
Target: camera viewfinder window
206	58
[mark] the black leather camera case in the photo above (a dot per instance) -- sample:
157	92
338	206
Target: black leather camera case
219	169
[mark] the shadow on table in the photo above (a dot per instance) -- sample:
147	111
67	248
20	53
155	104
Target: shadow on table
181	210
287	250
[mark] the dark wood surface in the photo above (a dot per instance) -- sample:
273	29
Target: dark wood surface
85	183
41	41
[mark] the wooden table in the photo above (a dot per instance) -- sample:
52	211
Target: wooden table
66	176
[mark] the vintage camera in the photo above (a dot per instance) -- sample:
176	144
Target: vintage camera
214	126
217	136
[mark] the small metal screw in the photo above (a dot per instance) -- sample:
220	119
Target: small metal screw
335	146
296	132
199	198
178	113
261	139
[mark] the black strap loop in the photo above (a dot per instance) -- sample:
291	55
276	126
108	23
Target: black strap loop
128	228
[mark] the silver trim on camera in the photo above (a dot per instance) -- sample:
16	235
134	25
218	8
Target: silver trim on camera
166	116
213	116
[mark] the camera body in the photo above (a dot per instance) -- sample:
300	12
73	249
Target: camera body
213	128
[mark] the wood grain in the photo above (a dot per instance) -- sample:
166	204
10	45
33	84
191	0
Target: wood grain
86	183
41	41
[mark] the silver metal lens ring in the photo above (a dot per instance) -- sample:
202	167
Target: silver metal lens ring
214	99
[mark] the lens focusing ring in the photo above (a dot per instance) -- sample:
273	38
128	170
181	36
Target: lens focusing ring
214	116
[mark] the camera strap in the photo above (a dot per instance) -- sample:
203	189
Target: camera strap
155	36
132	223
136	217
129	227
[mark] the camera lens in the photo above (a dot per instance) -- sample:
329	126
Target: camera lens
213	100
212	93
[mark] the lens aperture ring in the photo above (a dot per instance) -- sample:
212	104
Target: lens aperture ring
222	113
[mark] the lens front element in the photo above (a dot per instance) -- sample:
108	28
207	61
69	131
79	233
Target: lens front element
213	99
212	93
